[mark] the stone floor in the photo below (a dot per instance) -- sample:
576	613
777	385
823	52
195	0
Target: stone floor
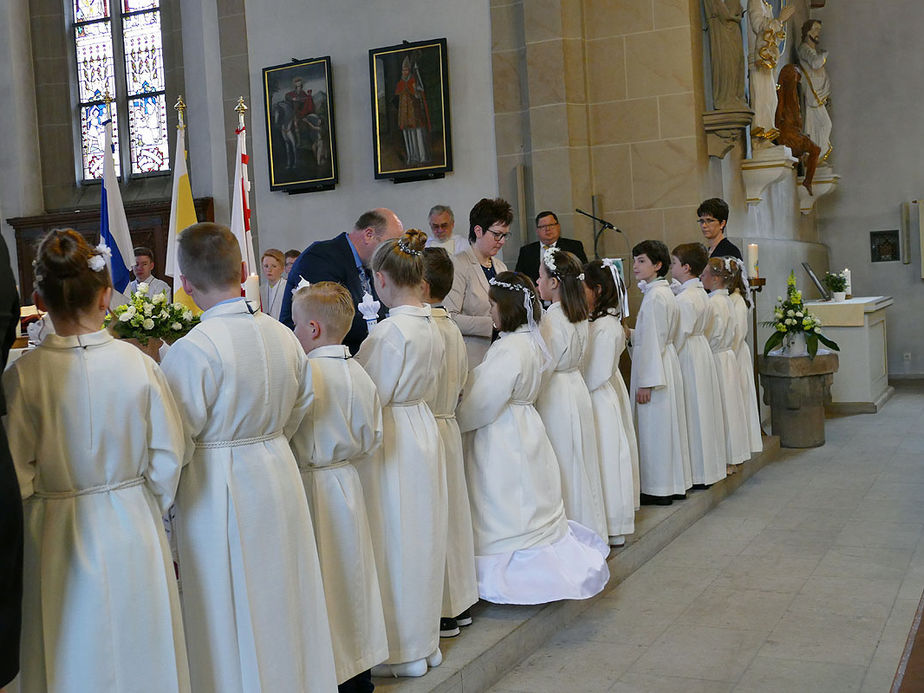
805	579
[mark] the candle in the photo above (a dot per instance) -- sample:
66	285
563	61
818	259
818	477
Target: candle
753	265
847	289
252	288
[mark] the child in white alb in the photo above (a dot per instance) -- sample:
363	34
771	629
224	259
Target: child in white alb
701	391
253	597
721	335
461	588
657	384
606	340
405	482
564	400
741	306
97	443
526	551
344	428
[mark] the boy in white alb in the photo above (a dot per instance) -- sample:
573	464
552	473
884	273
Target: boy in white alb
461	588
345	426
657	386
701	391
253	601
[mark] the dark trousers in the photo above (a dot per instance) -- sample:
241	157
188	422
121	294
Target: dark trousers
361	683
10	565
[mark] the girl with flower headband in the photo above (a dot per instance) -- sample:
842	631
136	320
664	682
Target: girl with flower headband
97	442
701	391
526	551
738	293
616	445
721	334
656	384
564	400
405	483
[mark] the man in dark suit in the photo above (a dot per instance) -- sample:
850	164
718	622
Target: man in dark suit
712	216
548	230
10	499
345	260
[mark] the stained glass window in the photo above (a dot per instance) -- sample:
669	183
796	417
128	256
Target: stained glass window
124	58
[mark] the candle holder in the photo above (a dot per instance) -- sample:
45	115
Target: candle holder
756	285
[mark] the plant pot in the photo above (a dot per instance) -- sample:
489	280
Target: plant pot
839	296
794	345
152	348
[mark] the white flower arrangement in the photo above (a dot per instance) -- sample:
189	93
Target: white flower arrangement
145	317
790	316
548	259
97	263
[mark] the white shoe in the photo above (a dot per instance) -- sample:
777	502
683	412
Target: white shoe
617	540
435	659
405	669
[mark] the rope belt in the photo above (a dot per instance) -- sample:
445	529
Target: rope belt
238	442
444	417
321	468
412	403
105	488
521	402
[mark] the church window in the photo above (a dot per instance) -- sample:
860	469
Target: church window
119	50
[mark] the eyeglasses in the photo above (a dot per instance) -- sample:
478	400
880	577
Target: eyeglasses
543	227
499	236
703	221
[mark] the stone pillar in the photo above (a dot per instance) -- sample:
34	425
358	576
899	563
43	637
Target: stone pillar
797	389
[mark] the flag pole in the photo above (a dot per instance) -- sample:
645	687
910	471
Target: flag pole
240	213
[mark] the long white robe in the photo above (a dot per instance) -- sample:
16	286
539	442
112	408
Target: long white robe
566	410
405	482
614	452
460	590
271	297
746	371
526	550
253	600
97	443
701	391
625	413
721	337
343	429
663	449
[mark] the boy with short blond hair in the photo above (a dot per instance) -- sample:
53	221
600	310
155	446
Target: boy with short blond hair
344	428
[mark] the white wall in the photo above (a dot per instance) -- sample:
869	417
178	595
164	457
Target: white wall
278	30
875	65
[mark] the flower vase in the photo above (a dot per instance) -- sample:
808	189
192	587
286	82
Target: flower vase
794	345
839	296
152	348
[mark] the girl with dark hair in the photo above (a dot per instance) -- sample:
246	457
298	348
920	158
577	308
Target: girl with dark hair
606	342
405	484
657	385
97	442
526	551
564	401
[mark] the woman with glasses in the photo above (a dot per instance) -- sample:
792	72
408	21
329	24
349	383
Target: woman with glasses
467	302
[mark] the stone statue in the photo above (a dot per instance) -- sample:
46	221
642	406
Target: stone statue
816	88
723	18
789	124
765	34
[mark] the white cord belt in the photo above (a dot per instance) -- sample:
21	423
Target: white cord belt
238	442
104	488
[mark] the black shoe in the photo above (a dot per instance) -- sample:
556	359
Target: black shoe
679	496
645	499
449	628
701	487
464	619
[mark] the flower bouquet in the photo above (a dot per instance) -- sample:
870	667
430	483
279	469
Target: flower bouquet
145	318
792	320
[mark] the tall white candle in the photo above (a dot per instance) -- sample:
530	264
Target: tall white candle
848	288
753	265
252	288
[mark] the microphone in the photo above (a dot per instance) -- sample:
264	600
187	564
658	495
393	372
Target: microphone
604	222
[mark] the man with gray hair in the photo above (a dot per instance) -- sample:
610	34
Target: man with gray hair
345	260
442	222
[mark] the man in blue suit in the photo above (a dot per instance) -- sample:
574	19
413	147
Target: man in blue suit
345	260
548	231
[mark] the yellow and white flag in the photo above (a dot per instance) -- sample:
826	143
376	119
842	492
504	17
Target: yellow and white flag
182	215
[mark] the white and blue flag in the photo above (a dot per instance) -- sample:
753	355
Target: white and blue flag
113	225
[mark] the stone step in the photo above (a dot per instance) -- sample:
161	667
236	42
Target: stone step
502	636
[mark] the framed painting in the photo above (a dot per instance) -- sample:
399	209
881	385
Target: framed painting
300	137
411	137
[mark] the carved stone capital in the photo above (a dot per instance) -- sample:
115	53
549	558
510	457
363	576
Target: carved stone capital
767	166
724	129
825	181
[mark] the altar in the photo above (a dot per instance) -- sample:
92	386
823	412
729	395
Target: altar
858	325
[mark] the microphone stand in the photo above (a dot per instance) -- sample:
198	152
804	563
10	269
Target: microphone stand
604	225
